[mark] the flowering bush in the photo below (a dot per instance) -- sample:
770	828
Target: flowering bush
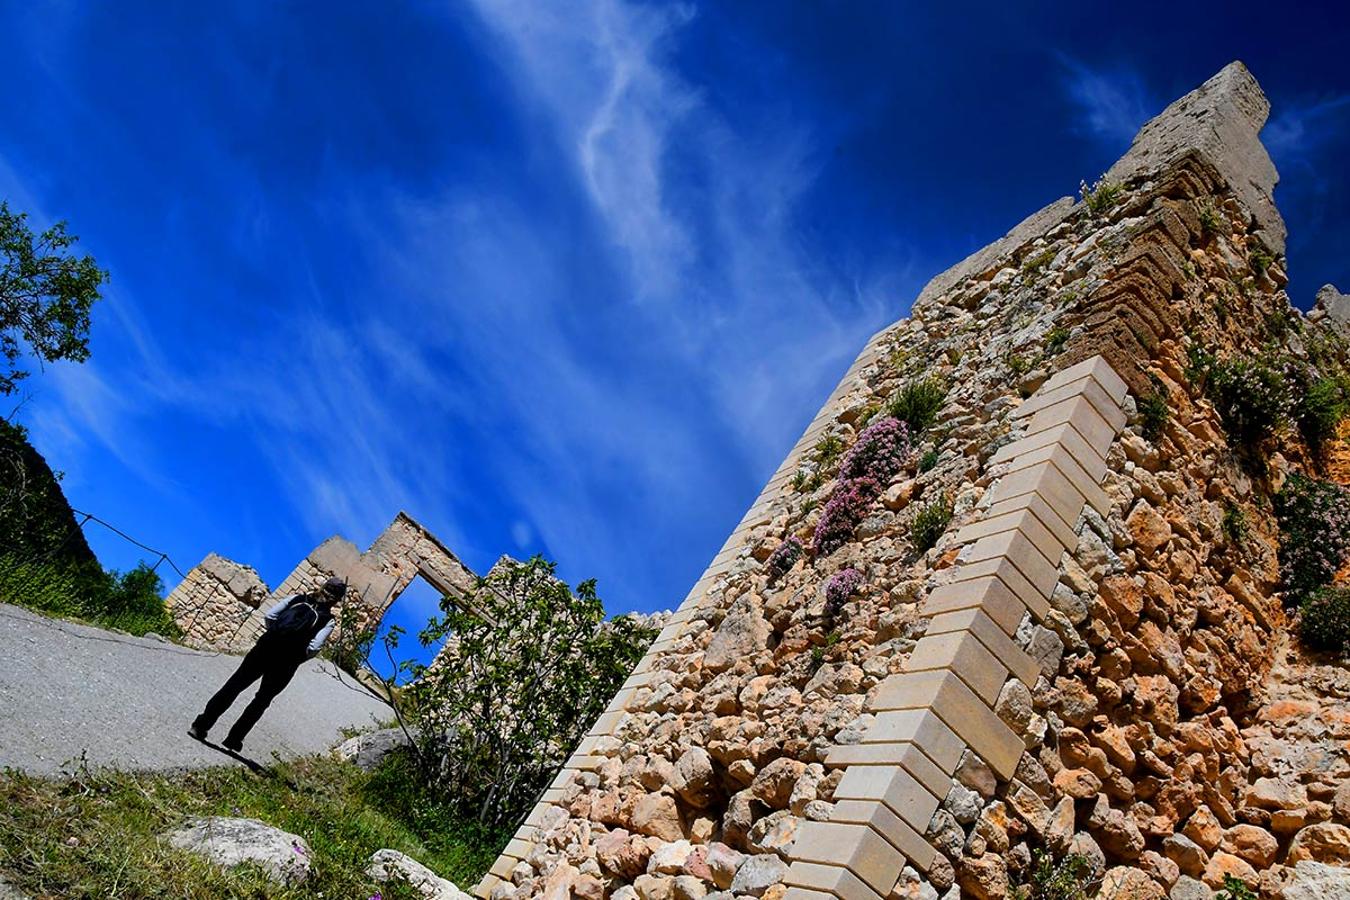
1324	403
1254	398
1324	619
784	557
842	585
879	452
843	511
1314	519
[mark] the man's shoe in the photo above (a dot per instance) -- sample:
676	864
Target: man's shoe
232	745
196	732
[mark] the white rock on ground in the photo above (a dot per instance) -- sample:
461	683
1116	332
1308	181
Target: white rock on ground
390	865
366	751
228	842
1317	881
8	892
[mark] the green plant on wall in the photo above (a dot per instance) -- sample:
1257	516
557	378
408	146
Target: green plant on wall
918	402
1055	878
930	522
1101	196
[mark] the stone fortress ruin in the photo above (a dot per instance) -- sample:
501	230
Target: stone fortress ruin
1088	661
220	604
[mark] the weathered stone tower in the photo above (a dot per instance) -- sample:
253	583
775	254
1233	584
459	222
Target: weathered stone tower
1086	662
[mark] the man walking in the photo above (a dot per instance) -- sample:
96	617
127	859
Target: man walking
295	630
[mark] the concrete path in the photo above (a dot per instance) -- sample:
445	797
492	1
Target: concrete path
68	690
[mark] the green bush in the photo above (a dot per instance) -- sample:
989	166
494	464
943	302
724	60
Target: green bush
1234	523
918	402
1101	196
1154	412
1314	519
1324	619
928	460
1055	339
1234	888
1254	398
1050	878
930	522
1324	404
131	601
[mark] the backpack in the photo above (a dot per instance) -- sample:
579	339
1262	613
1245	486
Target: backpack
299	621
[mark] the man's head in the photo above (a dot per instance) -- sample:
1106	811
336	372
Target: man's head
333	590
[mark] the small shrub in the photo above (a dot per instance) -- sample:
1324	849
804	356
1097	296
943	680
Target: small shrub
1049	878
1055	339
1101	196
1324	619
1033	264
1314	519
1234	523
842	585
827	450
1154	411
1324	404
1018	364
818	652
1234	888
1209	220
1260	261
1253	398
918	402
928	460
846	507
784	557
880	451
930	522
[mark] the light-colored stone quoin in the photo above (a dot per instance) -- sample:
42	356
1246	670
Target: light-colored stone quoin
1087	661
220	604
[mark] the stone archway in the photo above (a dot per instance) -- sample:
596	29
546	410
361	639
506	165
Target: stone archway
220	604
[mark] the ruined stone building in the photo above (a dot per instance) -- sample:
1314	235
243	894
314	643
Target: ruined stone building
1042	632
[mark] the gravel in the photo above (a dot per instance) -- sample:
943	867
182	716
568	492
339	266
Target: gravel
71	692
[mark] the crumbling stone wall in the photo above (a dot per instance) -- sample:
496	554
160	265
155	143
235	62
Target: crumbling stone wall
1086	662
220	604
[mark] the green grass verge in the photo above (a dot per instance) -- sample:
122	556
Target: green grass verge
97	834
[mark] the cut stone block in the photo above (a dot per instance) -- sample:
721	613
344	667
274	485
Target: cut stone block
1084	418
1047	482
965	713
1096	367
1064	436
1088	388
834	880
992	596
1089	487
1023	521
797	893
1015	547
992	636
1053	521
1036	601
855	847
895	787
890	826
908	756
922	728
964	654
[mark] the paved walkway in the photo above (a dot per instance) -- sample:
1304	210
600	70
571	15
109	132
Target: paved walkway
69	690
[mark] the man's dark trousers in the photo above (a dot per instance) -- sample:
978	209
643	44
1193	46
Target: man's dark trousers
275	665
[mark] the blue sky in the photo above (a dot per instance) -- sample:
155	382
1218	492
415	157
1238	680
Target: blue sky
559	278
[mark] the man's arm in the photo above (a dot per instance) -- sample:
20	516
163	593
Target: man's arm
271	615
317	643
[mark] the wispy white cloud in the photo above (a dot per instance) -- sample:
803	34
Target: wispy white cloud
1112	103
1299	129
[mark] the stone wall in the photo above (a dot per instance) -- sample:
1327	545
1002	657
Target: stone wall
220	604
1087	662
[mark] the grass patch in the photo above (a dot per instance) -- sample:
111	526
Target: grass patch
130	601
96	834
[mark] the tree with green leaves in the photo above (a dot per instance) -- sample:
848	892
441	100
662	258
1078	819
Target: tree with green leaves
527	667
46	294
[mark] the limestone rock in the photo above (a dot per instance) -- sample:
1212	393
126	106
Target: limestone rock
741	633
390	865
757	873
1317	881
1127	883
367	751
1325	842
229	842
693	778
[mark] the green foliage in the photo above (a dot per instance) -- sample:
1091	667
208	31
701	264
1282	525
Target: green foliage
930	522
1254	397
1209	220
1018	364
1260	261
1055	339
46	294
1324	619
1234	888
1235	525
526	669
1154	412
928	460
1033	264
827	450
1314	519
1101	196
97	834
353	639
1065	878
1321	409
130	601
918	402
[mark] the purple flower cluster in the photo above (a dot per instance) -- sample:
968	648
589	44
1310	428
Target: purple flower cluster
784	557
1314	519
842	512
880	451
842	585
